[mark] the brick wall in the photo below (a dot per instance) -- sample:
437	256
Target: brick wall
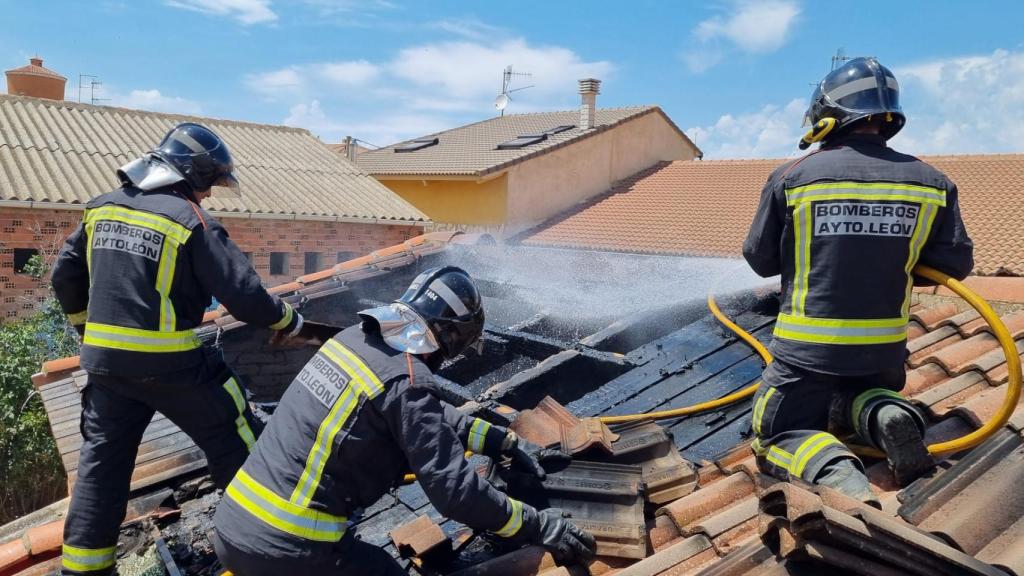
45	230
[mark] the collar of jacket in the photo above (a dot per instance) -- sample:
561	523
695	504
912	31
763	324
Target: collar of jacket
855	139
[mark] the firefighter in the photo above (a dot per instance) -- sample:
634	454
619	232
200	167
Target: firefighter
359	415
844	226
134	279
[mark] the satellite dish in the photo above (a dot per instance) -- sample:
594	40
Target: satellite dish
501	101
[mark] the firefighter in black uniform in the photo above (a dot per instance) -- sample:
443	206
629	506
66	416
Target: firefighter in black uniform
358	416
135	279
844	226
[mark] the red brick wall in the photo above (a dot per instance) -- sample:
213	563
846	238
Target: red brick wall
45	230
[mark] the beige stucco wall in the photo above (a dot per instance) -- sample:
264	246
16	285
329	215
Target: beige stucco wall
551	183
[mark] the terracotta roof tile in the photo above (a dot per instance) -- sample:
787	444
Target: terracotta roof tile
935	316
705	208
959	357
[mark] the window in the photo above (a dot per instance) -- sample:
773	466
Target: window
278	263
559	129
522	141
345	256
21	259
414	145
313	262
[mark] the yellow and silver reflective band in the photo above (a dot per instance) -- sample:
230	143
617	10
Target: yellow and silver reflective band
923	229
515	520
802	256
477	435
87	559
164	278
155	222
778	457
138	340
864	398
244	431
363	382
285	320
759	407
808	450
286	516
78	318
840	331
865	191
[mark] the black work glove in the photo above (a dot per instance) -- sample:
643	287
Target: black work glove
309	334
527	456
563	539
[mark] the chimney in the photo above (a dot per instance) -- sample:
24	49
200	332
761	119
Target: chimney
350	148
36	81
589	89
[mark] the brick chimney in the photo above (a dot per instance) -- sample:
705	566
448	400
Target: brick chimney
589	89
36	81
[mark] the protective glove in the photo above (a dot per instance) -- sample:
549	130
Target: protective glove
527	456
306	334
563	539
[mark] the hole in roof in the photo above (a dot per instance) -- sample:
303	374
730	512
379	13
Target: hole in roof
522	141
414	145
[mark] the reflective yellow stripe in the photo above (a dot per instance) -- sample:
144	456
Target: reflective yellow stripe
841	331
922	230
762	402
808	450
363	382
477	435
779	457
865	191
286	516
87	559
515	520
240	422
165	226
78	318
139	340
802	257
285	320
864	397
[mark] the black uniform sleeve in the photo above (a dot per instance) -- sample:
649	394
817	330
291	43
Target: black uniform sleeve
477	435
948	248
71	277
418	421
222	270
763	244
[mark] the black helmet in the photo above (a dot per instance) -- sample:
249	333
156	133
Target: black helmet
198	155
450	304
856	90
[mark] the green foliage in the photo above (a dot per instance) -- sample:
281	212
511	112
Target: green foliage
31	474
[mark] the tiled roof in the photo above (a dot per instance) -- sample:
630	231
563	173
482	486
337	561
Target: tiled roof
705	208
64	153
36	70
471	150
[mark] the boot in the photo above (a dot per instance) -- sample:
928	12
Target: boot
896	432
843	476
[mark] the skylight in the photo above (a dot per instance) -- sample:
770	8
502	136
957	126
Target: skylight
559	129
415	145
522	141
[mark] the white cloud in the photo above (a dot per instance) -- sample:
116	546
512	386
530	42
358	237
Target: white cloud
152	100
966	104
469	28
438	85
771	132
751	26
334	7
245	11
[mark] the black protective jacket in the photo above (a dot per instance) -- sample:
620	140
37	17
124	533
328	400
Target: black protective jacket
356	419
139	272
844	226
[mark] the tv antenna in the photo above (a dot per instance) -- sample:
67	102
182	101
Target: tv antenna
502	100
93	83
839	58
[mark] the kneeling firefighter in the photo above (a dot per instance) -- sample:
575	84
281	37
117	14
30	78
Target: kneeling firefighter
358	416
844	226
135	278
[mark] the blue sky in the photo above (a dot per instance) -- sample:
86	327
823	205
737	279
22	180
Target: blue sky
734	74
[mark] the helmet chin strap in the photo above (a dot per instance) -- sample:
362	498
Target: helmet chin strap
818	132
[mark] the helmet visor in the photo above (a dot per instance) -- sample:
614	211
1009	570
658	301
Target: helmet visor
226	186
403	329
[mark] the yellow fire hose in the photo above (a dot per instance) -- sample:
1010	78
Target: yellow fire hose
976	437
1013	389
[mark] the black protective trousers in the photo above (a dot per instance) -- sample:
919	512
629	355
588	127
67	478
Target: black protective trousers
207	402
798	413
349	557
